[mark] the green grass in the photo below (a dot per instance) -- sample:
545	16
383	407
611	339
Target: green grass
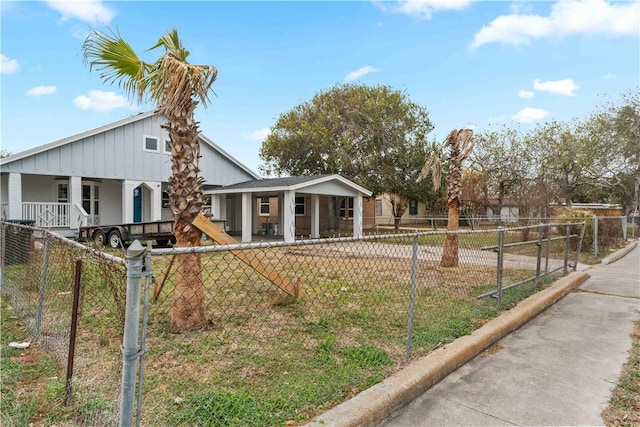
30	386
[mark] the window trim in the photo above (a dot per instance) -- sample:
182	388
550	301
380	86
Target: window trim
144	144
347	212
262	204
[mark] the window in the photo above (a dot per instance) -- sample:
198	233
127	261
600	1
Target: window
378	207
300	205
413	207
63	193
165	199
167	146
346	212
264	205
86	198
151	144
96	200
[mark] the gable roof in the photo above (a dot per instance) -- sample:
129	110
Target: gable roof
108	127
296	183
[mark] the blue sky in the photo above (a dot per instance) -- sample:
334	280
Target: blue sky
470	63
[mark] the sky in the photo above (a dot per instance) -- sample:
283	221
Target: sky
478	64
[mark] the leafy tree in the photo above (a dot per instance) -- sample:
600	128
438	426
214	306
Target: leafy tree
460	144
374	136
176	86
4	153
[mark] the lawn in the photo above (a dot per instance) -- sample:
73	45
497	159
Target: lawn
267	358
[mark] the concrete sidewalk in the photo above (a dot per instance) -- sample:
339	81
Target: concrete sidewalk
557	369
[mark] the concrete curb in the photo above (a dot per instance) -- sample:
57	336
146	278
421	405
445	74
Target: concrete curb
383	399
619	253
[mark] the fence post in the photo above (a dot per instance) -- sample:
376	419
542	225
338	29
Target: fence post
143	339
567	241
41	293
134	257
624	227
500	264
595	236
546	260
539	252
579	249
412	296
73	331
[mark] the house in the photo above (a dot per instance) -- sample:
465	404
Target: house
416	213
118	173
292	206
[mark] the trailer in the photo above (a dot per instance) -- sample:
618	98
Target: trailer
117	235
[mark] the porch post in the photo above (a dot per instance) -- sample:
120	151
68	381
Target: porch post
315	216
75	198
215	206
127	199
247	221
289	216
15	196
156	200
357	215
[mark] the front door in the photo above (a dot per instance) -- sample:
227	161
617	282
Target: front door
137	204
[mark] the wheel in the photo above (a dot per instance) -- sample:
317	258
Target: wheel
98	238
162	242
115	241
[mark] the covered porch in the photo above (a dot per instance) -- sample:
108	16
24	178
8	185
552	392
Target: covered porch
272	206
66	203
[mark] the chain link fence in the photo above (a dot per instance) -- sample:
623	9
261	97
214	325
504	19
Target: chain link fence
39	270
290	329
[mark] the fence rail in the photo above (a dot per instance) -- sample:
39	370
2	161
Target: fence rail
263	357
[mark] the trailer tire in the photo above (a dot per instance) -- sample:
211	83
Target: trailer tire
115	240
98	238
162	242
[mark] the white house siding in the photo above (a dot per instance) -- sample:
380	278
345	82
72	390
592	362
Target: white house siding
113	157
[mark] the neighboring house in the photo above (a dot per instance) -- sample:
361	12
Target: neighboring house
118	173
416	212
510	211
292	206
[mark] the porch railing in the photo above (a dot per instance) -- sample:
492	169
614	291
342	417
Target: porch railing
47	215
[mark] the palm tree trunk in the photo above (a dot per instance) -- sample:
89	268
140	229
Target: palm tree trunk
450	250
185	189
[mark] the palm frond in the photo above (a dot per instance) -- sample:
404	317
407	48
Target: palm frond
116	61
433	164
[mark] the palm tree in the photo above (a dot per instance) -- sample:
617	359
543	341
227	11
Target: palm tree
176	87
460	144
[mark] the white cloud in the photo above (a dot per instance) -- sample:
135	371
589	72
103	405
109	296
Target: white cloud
41	90
100	101
528	115
355	75
562	87
90	11
526	94
8	65
421	8
260	134
567	17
